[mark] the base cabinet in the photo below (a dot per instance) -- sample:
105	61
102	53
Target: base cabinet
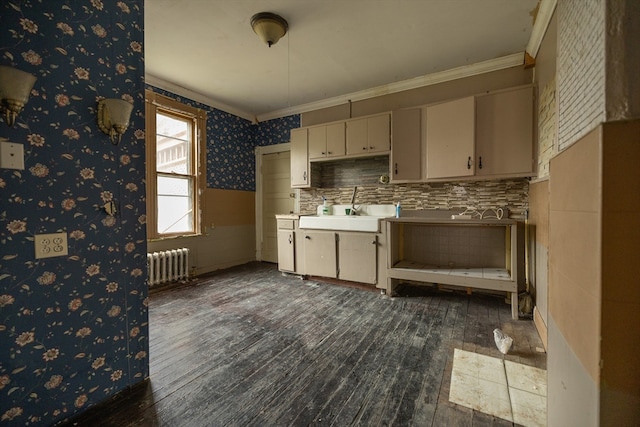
320	256
358	257
286	251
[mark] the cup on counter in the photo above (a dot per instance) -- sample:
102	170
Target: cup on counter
347	211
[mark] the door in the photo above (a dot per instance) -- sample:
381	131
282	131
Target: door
277	198
358	255
299	158
406	145
286	250
504	132
320	258
451	139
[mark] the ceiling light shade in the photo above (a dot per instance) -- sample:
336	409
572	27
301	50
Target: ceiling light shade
113	117
15	88
269	27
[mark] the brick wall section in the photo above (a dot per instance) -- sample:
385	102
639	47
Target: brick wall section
581	69
547	128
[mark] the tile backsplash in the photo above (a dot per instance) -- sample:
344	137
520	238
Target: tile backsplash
337	180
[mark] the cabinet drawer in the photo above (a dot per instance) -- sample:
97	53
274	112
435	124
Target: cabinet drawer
285	224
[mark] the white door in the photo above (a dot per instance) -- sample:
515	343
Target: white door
277	198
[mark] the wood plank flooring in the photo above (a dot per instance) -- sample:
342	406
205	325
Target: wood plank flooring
250	347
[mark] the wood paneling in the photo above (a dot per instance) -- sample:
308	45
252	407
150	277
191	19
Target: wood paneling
229	207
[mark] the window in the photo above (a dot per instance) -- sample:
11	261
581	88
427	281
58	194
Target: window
175	146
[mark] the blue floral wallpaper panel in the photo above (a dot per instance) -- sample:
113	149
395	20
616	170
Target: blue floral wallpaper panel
73	329
231	141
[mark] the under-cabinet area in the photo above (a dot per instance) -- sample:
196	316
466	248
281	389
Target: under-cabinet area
479	254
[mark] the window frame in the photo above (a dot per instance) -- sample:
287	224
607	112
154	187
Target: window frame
155	103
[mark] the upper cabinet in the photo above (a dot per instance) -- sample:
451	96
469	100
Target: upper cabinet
369	135
488	136
504	133
327	141
406	145
450	131
299	158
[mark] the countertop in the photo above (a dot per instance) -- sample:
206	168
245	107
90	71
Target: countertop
449	221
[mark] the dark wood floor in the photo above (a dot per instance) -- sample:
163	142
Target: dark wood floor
251	347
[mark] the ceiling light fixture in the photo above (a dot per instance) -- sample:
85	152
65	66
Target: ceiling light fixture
269	27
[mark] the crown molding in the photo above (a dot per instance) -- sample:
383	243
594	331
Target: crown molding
501	63
542	20
195	96
478	68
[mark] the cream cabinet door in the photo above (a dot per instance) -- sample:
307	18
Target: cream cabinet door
286	250
379	133
406	145
357	142
317	142
369	135
320	253
299	158
336	139
357	256
504	133
451	139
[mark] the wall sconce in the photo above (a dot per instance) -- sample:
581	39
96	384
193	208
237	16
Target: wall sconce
113	117
15	88
269	27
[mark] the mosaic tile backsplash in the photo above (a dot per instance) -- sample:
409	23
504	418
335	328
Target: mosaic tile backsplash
339	178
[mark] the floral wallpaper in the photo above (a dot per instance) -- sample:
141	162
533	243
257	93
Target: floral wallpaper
231	141
73	329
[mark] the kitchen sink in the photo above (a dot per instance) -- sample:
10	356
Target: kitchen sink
367	219
343	223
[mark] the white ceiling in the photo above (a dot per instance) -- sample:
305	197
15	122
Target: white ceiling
334	48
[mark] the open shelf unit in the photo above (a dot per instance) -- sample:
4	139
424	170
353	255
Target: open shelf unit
479	254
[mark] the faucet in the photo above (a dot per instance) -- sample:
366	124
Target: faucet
353	199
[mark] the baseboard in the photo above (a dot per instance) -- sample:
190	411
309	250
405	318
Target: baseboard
540	326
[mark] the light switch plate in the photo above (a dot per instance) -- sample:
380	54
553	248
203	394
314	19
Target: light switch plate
51	245
11	155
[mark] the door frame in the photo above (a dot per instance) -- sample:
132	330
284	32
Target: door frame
259	152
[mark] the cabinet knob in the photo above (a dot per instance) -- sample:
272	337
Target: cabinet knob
323	153
289	238
304	175
371	147
307	237
480	162
364	148
329	152
469	163
395	169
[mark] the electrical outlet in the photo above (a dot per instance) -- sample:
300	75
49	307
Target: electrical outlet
11	155
51	245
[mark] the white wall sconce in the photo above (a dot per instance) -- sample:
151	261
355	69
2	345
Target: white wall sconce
269	27
15	88
113	117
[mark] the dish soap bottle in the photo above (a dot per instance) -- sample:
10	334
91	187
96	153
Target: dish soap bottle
398	209
325	207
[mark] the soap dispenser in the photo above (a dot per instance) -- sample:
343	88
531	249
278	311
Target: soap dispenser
398	209
325	207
